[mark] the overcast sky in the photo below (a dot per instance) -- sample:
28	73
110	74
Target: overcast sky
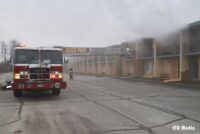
93	23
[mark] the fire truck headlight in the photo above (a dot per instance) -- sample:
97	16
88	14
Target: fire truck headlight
56	75
60	76
17	76
52	76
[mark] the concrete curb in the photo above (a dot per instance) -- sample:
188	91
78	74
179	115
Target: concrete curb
174	84
151	80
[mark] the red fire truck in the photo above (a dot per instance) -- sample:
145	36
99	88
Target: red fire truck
37	69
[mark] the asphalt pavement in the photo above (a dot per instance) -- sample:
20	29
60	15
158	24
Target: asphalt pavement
100	105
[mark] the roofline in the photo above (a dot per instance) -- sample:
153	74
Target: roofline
196	23
58	49
29	48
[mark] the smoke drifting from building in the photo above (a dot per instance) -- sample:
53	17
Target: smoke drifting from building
92	23
154	18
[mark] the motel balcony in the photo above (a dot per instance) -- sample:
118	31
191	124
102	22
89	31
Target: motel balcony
165	51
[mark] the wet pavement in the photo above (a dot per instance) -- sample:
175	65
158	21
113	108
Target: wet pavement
100	105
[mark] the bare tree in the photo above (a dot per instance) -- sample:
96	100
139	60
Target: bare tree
13	44
3	51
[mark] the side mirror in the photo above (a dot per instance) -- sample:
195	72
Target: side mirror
65	60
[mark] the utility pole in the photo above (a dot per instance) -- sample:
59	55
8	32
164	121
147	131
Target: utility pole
1	52
4	51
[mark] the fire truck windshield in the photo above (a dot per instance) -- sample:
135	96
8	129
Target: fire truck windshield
26	56
32	57
55	57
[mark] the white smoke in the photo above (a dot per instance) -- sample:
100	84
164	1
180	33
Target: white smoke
94	23
154	17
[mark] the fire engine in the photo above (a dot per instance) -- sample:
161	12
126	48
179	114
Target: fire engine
37	69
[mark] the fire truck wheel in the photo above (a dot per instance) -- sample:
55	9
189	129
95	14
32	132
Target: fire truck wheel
18	93
56	92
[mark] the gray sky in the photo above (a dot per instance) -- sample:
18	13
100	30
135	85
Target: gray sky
92	22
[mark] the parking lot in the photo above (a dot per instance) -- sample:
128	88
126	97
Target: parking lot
101	105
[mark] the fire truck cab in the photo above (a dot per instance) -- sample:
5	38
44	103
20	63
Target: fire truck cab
37	69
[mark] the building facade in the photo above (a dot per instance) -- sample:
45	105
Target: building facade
175	57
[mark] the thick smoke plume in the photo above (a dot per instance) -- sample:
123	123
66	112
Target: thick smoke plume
153	18
92	23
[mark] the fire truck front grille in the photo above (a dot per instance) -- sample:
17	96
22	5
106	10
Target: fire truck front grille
39	73
39	70
39	76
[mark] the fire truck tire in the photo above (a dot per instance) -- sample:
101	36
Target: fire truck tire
18	93
56	92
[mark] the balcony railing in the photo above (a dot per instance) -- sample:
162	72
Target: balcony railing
145	53
195	46
167	50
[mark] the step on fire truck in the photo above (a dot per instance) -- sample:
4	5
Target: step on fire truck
37	69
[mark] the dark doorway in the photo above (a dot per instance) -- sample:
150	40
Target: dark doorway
174	68
193	67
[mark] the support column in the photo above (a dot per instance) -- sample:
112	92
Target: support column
106	59
98	64
74	65
92	65
82	67
154	58
181	58
118	65
184	60
138	64
87	69
79	65
157	61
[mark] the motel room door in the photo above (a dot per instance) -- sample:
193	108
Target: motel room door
174	68
148	67
193	67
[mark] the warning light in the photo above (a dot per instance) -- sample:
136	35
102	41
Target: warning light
21	45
